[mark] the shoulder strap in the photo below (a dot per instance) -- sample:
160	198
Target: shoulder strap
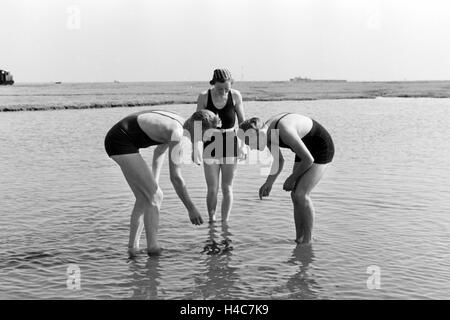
163	114
276	124
209	102
230	98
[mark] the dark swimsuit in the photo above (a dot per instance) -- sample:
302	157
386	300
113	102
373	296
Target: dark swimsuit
126	136
317	140
227	116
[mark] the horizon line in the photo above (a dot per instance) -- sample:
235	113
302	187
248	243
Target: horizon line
236	81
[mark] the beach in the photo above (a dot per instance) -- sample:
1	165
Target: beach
52	96
95	96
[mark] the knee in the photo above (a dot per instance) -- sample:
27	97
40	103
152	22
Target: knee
159	195
227	189
152	198
139	204
300	196
213	189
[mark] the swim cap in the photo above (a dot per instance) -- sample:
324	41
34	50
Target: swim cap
221	75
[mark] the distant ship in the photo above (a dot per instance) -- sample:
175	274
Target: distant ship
300	79
6	77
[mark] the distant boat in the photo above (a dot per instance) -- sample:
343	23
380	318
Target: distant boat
116	81
300	79
6	78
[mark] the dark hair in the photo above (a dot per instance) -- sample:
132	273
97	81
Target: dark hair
213	82
254	123
208	118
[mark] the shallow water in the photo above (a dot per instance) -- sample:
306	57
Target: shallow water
384	202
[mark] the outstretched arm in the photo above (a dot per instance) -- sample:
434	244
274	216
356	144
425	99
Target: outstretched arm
275	170
180	186
277	164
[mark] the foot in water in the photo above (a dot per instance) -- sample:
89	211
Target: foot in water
133	252
154	251
303	241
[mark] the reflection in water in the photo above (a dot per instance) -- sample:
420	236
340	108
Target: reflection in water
83	223
302	285
145	279
220	276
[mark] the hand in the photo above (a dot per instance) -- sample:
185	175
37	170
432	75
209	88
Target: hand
265	189
242	153
290	183
195	160
195	217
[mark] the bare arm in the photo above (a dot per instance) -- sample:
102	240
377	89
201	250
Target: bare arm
179	185
239	107
292	139
158	159
197	146
277	164
275	169
201	103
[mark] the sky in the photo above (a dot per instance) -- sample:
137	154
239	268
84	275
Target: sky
257	40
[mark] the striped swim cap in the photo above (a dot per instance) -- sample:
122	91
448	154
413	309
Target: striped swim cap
221	75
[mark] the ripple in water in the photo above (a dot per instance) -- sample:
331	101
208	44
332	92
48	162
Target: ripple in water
382	203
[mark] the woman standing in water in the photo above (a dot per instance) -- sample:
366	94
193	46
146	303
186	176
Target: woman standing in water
141	130
314	150
220	154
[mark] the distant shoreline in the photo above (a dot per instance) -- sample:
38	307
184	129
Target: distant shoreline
167	103
64	96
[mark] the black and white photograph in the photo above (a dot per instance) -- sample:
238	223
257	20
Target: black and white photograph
224	150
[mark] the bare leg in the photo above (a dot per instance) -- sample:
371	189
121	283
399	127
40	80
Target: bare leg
228	171
148	197
298	221
151	222
136	227
303	206
212	181
136	224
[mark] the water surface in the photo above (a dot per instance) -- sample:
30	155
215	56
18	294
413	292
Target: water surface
384	202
